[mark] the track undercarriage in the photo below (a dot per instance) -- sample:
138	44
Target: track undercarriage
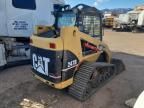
91	76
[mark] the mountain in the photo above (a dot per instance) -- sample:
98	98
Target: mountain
117	10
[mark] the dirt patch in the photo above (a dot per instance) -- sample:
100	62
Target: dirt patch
33	90
127	42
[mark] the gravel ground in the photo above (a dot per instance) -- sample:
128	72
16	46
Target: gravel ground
127	42
18	83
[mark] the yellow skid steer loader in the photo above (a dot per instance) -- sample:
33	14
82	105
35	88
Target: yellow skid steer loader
72	55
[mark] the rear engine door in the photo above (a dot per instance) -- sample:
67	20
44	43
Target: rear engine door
47	54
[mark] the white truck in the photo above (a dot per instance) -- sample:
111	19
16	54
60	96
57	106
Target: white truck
132	21
17	21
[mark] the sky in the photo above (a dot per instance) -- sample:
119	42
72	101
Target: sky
110	4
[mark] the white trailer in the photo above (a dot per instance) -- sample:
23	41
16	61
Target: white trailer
17	21
132	21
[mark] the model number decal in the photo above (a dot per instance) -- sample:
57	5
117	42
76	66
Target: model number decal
20	25
40	64
72	63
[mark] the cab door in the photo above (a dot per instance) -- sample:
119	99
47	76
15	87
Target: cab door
24	15
3	17
20	17
91	28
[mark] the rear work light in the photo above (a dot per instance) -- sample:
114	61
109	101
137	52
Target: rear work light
52	45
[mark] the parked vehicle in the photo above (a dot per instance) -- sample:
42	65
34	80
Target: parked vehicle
17	21
131	21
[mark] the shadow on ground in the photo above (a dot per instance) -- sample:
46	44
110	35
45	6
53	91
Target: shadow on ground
18	83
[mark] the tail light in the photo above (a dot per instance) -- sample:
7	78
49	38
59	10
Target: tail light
31	41
52	45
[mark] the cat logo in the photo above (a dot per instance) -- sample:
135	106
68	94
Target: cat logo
40	64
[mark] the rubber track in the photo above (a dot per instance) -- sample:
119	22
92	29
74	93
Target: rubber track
80	82
77	89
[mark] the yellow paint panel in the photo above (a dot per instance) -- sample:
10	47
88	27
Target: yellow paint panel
44	43
72	42
61	85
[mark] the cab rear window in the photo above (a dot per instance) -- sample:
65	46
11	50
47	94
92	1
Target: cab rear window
91	25
24	4
48	34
